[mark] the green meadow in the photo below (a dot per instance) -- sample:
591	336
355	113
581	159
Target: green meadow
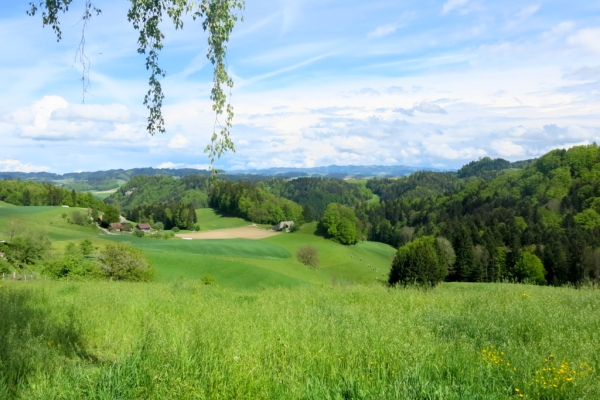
238	263
209	220
270	327
185	340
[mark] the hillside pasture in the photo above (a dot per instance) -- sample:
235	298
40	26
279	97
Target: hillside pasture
210	220
238	263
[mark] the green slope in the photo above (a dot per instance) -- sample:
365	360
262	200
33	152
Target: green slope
209	220
239	263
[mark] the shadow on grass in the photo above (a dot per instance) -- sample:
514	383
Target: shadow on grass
32	340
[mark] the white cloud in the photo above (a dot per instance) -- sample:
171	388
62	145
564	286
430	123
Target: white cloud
171	165
587	39
383	30
429	108
17	166
452	4
92	112
423	107
528	11
507	148
179	142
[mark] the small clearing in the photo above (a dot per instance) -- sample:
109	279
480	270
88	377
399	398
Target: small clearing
246	232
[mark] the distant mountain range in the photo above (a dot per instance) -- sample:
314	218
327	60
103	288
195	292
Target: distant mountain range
341	171
105	180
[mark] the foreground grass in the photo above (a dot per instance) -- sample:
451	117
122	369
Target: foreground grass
183	340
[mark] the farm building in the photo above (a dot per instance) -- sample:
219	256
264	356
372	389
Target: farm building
116	226
283	225
144	227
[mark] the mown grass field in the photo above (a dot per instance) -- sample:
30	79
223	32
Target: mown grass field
184	340
209	220
236	263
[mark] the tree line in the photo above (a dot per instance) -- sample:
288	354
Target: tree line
27	193
541	223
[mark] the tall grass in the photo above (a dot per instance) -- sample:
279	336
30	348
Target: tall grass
184	340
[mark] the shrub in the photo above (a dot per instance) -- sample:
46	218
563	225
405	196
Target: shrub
86	247
207	279
5	266
175	229
122	262
78	218
530	268
421	261
308	255
159	226
139	233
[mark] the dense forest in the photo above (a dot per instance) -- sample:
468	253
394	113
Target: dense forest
249	201
171	215
44	194
145	190
418	185
318	193
550	209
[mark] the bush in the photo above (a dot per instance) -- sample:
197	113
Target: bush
530	268
207	279
421	261
78	218
122	262
139	233
159	226
28	248
71	264
175	229
308	255
86	247
5	266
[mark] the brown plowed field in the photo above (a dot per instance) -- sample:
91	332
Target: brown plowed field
246	232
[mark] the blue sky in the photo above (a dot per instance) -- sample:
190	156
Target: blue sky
423	83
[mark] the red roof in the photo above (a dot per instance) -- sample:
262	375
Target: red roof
144	226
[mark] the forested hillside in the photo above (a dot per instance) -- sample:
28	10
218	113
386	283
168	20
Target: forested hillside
550	209
318	193
245	200
488	168
418	185
44	194
144	190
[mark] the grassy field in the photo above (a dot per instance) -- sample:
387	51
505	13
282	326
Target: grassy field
184	340
209	220
236	263
363	182
104	194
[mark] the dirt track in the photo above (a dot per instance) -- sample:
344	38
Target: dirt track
246	232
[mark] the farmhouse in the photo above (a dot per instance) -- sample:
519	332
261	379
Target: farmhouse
283	225
144	227
116	226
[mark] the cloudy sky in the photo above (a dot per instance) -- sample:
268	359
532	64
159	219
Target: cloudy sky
423	83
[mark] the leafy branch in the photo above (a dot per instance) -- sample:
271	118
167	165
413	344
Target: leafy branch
219	18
